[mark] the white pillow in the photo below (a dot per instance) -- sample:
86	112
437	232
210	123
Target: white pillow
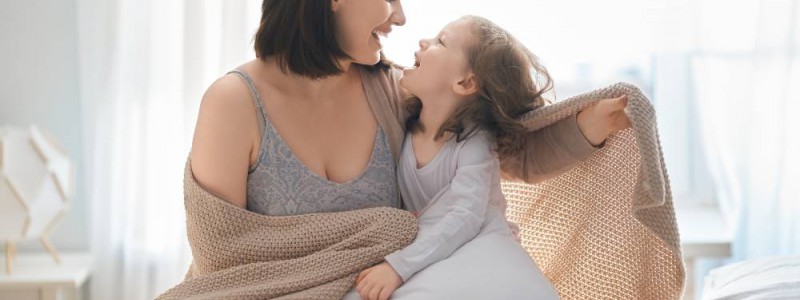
766	278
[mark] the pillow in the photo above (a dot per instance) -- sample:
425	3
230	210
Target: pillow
765	278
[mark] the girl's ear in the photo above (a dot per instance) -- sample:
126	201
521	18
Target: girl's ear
468	85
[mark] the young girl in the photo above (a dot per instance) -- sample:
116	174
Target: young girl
469	83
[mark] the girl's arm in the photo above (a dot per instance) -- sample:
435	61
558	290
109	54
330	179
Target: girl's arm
559	147
455	215
554	149
548	152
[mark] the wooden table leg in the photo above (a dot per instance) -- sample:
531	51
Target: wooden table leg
72	292
10	254
689	291
48	293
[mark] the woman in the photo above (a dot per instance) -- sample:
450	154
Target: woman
297	131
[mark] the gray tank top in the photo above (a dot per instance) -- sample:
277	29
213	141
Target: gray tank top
279	184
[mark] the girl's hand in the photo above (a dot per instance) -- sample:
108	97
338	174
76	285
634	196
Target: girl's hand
378	282
603	118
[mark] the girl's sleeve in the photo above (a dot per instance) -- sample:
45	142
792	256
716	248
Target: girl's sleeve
548	152
455	215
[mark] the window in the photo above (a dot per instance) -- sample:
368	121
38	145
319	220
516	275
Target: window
587	45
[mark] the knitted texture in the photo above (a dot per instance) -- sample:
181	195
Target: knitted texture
605	229
238	254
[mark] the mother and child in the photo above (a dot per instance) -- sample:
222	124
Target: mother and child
336	127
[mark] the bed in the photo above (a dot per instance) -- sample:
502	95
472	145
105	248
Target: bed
765	278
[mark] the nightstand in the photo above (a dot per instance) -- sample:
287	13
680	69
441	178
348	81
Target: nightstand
704	234
37	276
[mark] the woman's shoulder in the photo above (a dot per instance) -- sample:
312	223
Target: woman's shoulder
232	96
227	102
388	77
384	94
228	93
224	138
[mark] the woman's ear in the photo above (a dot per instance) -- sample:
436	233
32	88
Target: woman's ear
467	86
336	5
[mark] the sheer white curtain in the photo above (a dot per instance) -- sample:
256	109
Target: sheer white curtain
145	64
144	67
747	85
586	45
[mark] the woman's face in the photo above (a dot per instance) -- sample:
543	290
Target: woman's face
361	24
441	62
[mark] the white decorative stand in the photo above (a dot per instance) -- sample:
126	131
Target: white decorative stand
35	277
36	184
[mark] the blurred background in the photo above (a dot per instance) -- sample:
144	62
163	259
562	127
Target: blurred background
118	83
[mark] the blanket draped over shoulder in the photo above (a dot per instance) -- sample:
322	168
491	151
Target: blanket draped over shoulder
238	254
605	229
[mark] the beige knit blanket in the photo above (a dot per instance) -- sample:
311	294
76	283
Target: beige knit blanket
238	254
605	229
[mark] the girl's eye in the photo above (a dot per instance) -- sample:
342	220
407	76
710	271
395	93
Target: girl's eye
391	1
441	42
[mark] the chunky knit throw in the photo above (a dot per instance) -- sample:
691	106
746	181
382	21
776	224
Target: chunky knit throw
238	254
605	229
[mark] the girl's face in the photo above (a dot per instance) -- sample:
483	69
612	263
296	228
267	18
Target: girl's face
441	64
360	24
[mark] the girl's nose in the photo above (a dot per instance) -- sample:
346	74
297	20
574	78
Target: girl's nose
423	43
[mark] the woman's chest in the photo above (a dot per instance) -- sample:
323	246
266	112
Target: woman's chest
334	140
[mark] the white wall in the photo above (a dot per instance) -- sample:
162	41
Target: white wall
39	85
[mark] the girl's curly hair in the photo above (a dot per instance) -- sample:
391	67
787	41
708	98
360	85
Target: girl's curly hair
511	82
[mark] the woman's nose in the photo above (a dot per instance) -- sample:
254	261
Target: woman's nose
398	16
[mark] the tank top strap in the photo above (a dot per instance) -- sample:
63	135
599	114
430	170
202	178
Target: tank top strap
262	121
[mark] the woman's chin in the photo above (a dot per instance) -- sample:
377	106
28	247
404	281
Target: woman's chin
368	60
405	84
410	72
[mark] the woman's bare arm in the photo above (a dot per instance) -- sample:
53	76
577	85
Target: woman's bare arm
224	140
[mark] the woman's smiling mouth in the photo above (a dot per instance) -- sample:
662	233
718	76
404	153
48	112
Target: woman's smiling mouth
379	34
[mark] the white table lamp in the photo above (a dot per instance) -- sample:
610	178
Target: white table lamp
36	184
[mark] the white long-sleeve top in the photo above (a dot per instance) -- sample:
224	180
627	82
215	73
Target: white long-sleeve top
458	196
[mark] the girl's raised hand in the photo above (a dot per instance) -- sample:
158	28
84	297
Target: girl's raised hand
603	118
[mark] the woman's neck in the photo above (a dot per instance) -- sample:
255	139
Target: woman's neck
307	88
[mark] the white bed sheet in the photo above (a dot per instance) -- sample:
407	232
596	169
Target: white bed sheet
768	278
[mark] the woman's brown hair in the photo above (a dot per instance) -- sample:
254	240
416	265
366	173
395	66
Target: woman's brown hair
511	81
301	35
